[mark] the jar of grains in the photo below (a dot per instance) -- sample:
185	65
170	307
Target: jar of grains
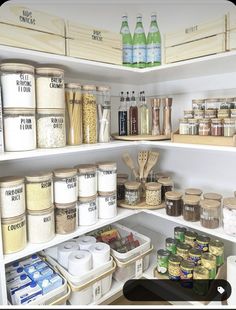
104	113
39	191
229	216
233	113
200	287
132	193
191	208
216	248
65	215
174	267
213	103
199	104
216	127
183	126
19	129
202	243
167	185
173	201
89	114
87	211
204	127
229	127
107	176
190	238
65	185
12	196
50	89
179	233
41	225
193	191
212	196
87	180
162	261
223	113
183	249
199	114
208	261
228	103
121	179
195	256
188	114
153	193
193	126
51	128
210	114
18	85
107	205
171	244
210	213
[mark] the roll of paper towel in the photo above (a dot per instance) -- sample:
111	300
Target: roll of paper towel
79	262
231	278
100	253
85	242
64	250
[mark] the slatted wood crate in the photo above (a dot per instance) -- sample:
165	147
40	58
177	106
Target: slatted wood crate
31	29
196	41
231	31
93	44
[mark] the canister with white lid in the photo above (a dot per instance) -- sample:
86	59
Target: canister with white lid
18	85
107	176
107	205
65	185
12	196
87	183
87	211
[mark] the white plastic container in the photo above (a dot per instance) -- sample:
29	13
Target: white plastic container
65	186
107	205
107	176
87	211
87	183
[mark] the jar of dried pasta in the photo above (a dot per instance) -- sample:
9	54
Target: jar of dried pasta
153	194
89	114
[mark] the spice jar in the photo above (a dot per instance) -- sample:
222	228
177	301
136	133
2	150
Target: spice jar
171	245
195	256
173	201
216	248
216	127
65	185
183	249
179	233
193	126
223	113
121	179
50	93
89	114
19	129
87	180
213	103
209	262
107	205
162	261
132	193
65	215
199	104
153	194
39	191
107	176
199	114
200	287
104	113
188	114
51	128
186	272
193	191
12	196
210	114
191	208
202	243
229	127
166	186
14	234
40	225
229	216
18	85
190	238
204	127
183	127
87	211
210	213
174	267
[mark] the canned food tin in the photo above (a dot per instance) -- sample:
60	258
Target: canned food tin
171	245
202	243
183	249
195	256
190	238
216	248
174	267
179	233
209	262
186	273
162	261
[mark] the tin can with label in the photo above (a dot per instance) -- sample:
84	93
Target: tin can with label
171	245
174	267
202	243
162	261
179	233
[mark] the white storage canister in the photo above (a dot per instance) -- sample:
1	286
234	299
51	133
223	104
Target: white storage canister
65	217
51	130
41	225
14	234
87	185
19	129
12	196
39	191
65	186
107	205
50	88
18	85
107	178
87	211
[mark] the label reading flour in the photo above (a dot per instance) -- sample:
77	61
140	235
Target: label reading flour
24	83
26	123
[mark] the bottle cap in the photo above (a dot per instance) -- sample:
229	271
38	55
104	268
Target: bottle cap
153	14
139	15
124	15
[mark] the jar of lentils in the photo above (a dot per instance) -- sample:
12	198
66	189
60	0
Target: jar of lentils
193	126
167	185
229	127
173	201
204	127
191	208
183	126
210	113
132	192
153	194
216	127
89	114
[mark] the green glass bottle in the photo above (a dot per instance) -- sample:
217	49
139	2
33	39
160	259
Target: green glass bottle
153	43
139	44
127	42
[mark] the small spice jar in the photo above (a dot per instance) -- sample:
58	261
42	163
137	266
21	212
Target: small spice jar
107	176
193	191
183	127
199	104
107	205
65	215
162	261
39	191
195	256
229	216
216	248
132	193
173	201
179	233
65	185
190	238
208	261
202	243
204	127
166	186
223	113
153	194
183	249
121	187
87	180
186	272
199	114
210	213
191	208
193	126
41	225
188	114
200	287
174	267
87	211
19	129
171	245
216	127
210	114
229	127
12	196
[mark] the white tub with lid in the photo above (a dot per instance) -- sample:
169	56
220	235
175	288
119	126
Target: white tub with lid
107	205
107	176
87	184
65	186
87	211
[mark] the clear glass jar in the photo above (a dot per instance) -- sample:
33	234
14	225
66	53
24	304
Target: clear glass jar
107	176
199	114
19	129
211	113
173	201
167	185
132	193
89	114
73	97
212	196
216	127
121	188
51	128
209	262
107	205
87	211
210	213
213	103
156	104
188	114
191	208
50	89
204	127
229	127
199	104
229	216
193	126
18	86
65	186
183	127
193	191
228	103
104	113
87	180
65	216
223	113
153	194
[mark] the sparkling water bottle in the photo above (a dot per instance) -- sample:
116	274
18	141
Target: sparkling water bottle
126	42
139	44
153	43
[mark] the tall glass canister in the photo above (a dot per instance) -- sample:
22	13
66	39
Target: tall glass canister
104	113
89	114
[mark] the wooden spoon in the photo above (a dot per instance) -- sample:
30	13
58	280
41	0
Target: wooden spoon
129	162
152	160
142	159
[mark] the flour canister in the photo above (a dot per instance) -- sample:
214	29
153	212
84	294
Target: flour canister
14	234
12	196
87	211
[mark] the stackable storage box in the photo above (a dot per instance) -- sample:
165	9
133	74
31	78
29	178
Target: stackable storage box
231	31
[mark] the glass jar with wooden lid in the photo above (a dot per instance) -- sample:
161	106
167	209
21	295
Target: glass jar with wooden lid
132	192
121	179
216	127
229	127
183	126
229	216
212	196
193	126
210	113
204	127
210	213
199	114
223	113
188	114
213	103
153	193
193	191
167	185
199	104
173	201
191	208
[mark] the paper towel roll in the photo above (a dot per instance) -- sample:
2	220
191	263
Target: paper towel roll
63	252
79	262
85	242
231	278
52	252
100	253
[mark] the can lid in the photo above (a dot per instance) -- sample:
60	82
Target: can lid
51	111
153	186
230	202
191	234
172	195
13	111
203	238
191	199
107	165
194	251
41	212
106	193
73	85
65	205
65	173
175	258
163	252
49	71
193	191
89	87
12	67
165	181
201	270
187	264
132	185
216	243
87	199
11	180
184	246
39	177
209	256
212	196
85	168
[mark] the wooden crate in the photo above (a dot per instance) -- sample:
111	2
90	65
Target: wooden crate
93	44
231	31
